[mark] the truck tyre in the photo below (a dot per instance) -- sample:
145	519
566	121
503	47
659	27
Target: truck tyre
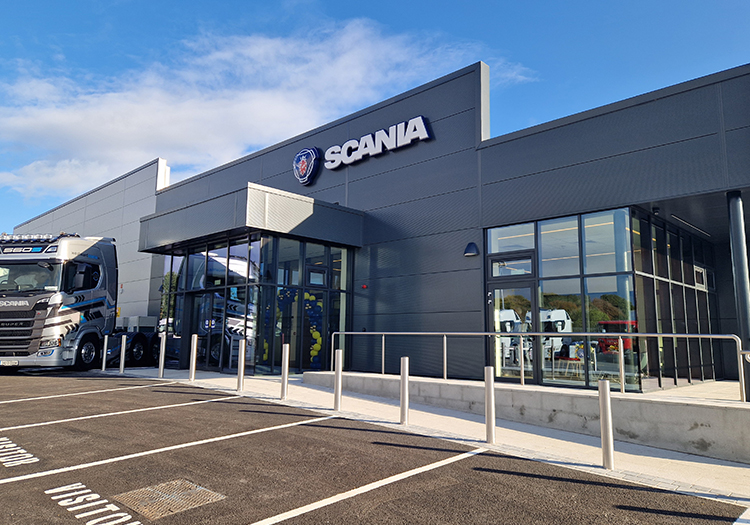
87	353
139	351
155	350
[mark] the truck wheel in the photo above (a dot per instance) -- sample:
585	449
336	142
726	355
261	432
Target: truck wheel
155	350
88	350
138	349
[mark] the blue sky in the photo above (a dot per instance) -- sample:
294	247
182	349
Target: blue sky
92	89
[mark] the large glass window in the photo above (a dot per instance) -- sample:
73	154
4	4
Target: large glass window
216	270
288	269
238	263
642	244
511	238
610	306
196	270
558	247
560	313
606	242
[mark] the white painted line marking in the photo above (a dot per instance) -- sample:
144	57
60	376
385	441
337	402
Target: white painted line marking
365	488
744	519
158	451
85	393
95	416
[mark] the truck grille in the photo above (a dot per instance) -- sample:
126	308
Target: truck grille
18	314
14	354
16	332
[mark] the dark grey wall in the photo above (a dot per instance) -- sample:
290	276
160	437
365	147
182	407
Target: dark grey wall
424	203
681	141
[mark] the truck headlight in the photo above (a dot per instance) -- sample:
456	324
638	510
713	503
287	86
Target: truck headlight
50	344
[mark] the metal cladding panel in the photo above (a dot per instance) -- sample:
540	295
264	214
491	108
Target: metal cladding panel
443	252
457	291
107	191
207	218
286	213
665	121
665	172
232	177
441	101
735	94
442	175
190	192
454	211
142	190
738	155
107	225
334	194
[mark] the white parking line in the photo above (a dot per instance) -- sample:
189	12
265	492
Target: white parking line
158	451
85	393
365	488
744	518
133	411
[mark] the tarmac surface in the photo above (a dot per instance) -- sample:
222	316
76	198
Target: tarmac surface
100	448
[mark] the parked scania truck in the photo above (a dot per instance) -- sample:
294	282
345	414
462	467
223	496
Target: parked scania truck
58	299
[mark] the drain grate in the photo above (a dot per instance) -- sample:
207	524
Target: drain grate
167	498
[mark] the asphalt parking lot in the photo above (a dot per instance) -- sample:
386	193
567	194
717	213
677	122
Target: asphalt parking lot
100	450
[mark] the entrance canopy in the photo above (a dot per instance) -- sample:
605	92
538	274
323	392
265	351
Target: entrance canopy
253	207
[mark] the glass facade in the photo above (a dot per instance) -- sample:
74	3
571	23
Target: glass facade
615	271
268	290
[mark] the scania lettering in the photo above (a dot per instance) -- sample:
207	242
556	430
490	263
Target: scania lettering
397	136
57	301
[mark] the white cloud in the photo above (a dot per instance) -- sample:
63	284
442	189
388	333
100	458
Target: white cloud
223	97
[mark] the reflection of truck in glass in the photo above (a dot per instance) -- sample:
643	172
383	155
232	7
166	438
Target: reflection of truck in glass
556	321
507	321
219	321
58	299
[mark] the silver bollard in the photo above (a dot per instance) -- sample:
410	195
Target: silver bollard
489	403
605	417
522	363
123	346
339	366
404	390
241	365
162	353
105	345
284	370
193	355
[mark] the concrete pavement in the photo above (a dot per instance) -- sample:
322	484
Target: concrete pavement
685	473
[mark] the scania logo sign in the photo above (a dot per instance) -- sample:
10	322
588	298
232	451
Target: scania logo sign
354	150
305	165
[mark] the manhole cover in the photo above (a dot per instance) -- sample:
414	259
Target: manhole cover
167	498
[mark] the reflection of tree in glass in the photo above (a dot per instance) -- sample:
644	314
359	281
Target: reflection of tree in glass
570	303
516	302
169	284
609	307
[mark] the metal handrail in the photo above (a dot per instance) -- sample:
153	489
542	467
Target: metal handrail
596	335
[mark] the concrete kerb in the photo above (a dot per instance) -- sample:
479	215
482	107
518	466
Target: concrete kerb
371	409
716	429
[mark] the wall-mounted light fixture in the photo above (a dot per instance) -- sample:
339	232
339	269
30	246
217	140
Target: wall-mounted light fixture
472	250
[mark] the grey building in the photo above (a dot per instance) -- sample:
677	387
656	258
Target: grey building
625	218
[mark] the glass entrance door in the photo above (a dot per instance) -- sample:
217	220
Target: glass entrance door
510	310
207	321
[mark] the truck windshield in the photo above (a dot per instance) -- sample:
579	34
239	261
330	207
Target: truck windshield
30	276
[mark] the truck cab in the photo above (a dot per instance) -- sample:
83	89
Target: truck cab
58	299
